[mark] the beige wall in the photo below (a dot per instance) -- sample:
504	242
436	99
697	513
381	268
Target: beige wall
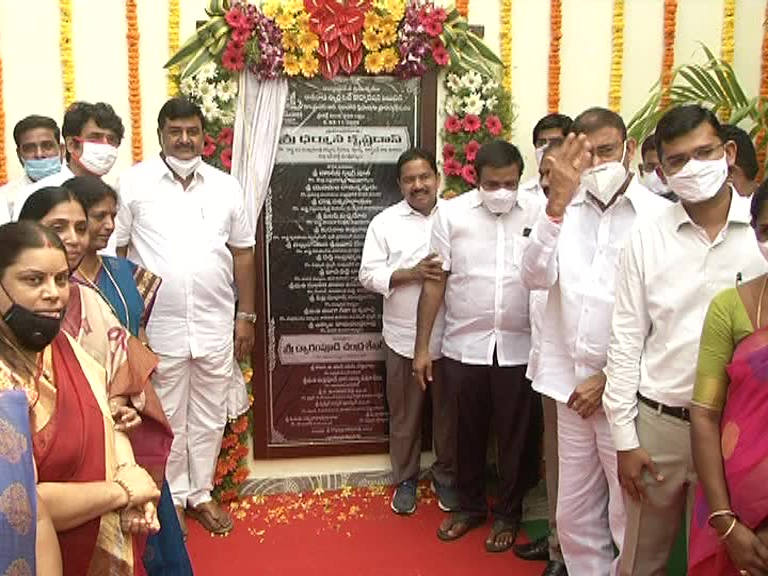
29	45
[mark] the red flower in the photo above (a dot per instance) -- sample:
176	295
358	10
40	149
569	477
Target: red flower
449	151
452	167
472	123
226	136
433	27
241	475
209	146
470	150
493	125
233	57
469	174
236	18
440	54
226	158
240	36
439	14
453	125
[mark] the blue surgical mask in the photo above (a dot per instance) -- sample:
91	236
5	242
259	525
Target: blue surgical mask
39	168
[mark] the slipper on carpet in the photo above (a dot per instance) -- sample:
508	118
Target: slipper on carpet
460	524
215	524
502	527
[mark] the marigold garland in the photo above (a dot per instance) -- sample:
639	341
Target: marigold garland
761	149
463	7
65	51
729	24
668	60
173	45
617	56
555	35
134	83
506	44
3	160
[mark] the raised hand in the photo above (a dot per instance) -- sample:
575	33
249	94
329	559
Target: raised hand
564	166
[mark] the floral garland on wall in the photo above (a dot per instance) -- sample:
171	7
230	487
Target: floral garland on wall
65	51
729	24
761	150
134	83
3	159
555	35
505	37
617	56
174	20
463	7
668	60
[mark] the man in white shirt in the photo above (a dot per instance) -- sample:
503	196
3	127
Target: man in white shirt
396	260
185	221
479	238
670	270
549	130
38	149
573	252
649	170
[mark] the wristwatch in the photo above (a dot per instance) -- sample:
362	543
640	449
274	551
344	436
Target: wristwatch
247	316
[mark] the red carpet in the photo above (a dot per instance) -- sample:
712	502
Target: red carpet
351	532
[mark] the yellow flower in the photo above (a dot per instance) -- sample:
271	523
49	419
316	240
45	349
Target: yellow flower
388	35
371	40
290	40
390	59
293	6
302	21
291	64
372	20
309	65
396	8
271	8
284	20
308	41
374	62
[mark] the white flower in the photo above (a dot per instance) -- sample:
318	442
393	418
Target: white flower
205	89
472	80
226	91
207	71
490	86
453	82
227	116
210	109
473	104
490	103
188	87
455	104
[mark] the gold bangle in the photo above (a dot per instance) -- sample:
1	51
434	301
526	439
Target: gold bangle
720	514
730	529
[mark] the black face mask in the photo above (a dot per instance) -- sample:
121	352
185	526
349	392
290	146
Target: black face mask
33	331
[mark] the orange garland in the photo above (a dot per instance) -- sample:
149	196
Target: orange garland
760	140
555	35
3	159
463	7
134	84
668	61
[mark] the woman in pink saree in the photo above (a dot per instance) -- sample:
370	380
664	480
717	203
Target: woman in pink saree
729	532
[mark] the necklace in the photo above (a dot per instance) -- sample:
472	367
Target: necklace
760	303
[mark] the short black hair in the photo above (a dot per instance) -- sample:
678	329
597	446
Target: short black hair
594	119
759	198
90	190
681	120
42	201
31	123
416	154
498	154
78	114
648	144
746	155
177	108
551	121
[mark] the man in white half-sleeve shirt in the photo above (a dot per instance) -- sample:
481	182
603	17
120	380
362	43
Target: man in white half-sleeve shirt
396	260
480	237
670	270
573	252
185	220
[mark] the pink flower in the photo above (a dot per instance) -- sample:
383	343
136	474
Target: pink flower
493	125
226	158
469	174
439	14
440	54
470	150
233	58
452	167
236	18
452	125
226	136
241	35
209	146
472	123
449	151
433	28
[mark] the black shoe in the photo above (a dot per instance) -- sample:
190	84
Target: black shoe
536	550
555	568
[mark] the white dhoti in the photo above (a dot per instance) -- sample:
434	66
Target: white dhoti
193	392
590	505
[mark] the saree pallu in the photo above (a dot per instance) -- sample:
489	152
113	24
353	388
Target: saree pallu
129	289
18	495
744	445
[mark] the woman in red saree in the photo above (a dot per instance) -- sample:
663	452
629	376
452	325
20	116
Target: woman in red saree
729	531
97	497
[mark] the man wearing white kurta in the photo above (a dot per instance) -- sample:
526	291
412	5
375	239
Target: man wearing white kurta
573	253
395	262
186	221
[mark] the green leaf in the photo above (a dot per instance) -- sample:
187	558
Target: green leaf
189	48
483	49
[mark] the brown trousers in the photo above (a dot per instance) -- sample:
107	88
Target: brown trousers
486	393
406	407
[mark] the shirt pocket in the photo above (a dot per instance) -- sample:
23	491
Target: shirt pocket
216	223
519	245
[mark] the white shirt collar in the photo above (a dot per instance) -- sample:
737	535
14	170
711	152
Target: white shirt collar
738	212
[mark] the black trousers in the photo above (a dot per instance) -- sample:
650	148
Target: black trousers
484	394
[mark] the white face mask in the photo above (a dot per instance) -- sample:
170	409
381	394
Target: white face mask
605	180
98	157
539	154
499	202
699	180
652	181
183	168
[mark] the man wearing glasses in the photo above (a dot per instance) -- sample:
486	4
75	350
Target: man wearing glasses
574	248
669	271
